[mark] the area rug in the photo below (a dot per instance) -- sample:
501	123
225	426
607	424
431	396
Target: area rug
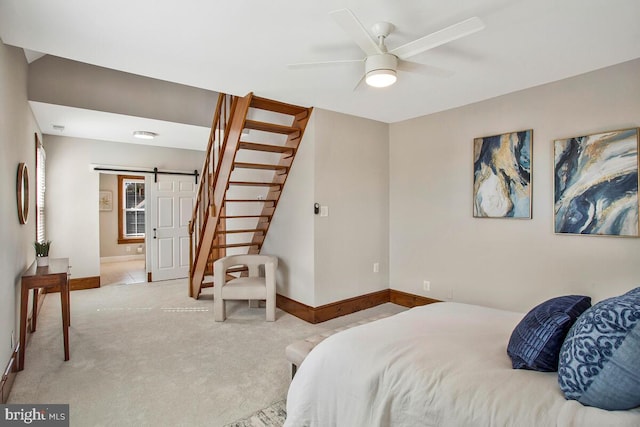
272	416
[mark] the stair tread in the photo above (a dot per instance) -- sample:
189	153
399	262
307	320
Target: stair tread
249	200
235	245
244	216
249	230
245	145
270	127
262	166
255	184
276	106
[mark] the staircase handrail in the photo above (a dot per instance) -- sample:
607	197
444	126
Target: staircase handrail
203	201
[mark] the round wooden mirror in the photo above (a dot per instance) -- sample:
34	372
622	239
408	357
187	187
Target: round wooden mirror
23	193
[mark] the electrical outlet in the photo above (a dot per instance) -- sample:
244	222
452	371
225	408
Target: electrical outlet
426	286
376	267
128	249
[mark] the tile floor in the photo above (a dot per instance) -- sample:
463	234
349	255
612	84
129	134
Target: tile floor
122	273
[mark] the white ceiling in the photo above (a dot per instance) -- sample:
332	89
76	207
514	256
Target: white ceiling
243	46
90	124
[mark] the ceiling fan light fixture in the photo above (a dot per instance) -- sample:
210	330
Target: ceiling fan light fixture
380	70
381	78
143	134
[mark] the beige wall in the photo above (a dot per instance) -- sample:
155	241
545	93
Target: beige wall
17	129
61	81
290	234
352	179
500	262
109	246
341	164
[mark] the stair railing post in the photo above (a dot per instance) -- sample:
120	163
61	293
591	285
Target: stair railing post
200	210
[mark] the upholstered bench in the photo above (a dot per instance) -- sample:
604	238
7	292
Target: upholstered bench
297	351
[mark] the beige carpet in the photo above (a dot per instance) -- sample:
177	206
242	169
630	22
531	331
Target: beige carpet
148	355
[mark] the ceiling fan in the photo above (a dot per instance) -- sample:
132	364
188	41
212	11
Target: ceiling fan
381	65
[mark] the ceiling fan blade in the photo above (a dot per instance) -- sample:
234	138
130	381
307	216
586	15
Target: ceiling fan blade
429	70
446	35
349	23
321	63
359	82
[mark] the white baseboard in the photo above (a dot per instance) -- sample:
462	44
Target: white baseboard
121	258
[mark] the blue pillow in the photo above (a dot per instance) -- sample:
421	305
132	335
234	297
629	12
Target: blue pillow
536	341
600	358
634	292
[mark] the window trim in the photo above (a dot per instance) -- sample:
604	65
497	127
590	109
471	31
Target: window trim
40	181
122	239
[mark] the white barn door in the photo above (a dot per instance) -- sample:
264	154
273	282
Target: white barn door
172	199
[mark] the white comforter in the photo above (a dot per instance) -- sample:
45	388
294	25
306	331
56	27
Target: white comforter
443	364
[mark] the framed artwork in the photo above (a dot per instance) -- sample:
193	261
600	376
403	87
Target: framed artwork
502	175
106	201
595	181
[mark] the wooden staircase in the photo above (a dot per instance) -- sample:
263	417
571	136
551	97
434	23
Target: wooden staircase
251	149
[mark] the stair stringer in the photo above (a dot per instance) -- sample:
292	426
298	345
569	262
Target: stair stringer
221	183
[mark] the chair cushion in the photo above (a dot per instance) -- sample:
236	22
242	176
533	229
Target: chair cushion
245	288
600	358
536	341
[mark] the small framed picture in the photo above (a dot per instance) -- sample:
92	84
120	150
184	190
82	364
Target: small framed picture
106	200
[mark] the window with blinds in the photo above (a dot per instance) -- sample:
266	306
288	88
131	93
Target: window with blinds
131	209
41	157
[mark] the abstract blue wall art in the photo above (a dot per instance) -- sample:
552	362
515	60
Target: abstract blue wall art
596	184
502	175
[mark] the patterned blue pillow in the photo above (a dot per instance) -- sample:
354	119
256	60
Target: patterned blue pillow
600	358
634	292
535	343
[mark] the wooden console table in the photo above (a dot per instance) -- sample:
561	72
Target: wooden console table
55	274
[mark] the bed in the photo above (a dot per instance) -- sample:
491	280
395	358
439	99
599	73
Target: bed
443	364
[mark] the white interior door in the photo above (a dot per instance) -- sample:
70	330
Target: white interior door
172	198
